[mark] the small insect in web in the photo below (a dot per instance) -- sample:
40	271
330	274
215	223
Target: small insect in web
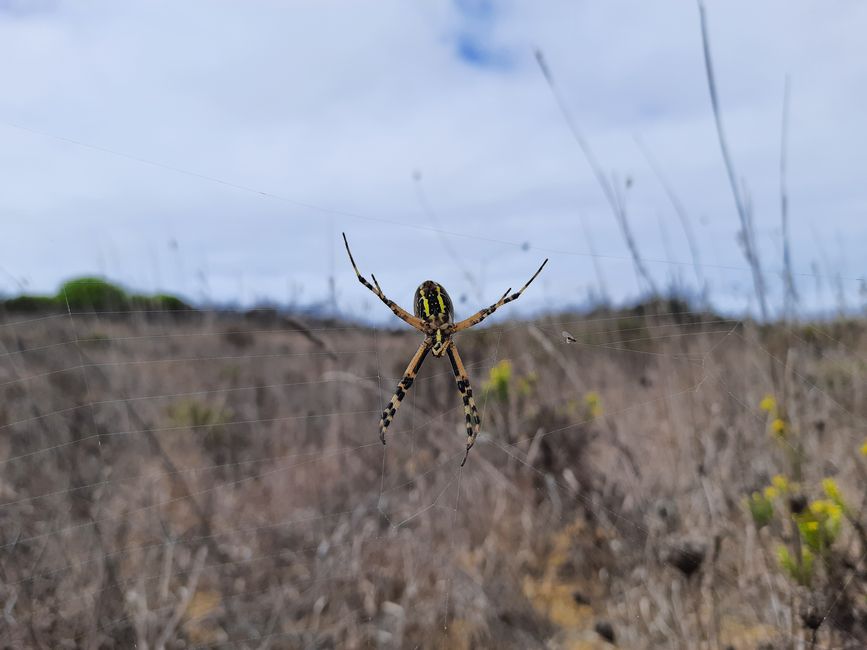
567	337
434	317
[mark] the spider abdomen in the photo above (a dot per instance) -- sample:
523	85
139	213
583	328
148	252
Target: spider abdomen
433	304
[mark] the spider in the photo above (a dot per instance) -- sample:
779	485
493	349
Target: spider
434	317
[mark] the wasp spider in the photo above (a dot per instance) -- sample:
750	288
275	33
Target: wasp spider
434	317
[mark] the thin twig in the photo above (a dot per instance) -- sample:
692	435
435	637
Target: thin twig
791	292
748	240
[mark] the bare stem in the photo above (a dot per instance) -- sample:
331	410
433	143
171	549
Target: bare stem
748	240
791	295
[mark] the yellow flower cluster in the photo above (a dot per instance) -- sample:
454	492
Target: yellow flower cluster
504	383
832	491
779	427
768	404
499	379
820	524
825	508
761	504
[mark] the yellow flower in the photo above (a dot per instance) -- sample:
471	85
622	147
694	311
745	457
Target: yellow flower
827	512
780	482
829	485
500	377
864	449
768	403
821	524
771	493
778	426
830	510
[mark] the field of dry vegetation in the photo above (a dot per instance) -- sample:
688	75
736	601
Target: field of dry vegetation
216	480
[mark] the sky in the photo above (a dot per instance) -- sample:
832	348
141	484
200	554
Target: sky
217	149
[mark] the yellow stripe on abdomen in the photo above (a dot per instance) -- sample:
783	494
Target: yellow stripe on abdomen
441	301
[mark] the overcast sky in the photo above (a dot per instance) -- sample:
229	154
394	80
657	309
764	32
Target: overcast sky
217	149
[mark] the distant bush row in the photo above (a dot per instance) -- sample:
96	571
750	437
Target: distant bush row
93	294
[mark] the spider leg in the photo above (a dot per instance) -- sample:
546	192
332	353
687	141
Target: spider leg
482	314
403	387
470	410
393	306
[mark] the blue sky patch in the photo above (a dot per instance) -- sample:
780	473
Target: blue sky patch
473	40
472	50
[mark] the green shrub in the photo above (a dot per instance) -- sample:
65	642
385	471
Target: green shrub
92	293
168	302
25	303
